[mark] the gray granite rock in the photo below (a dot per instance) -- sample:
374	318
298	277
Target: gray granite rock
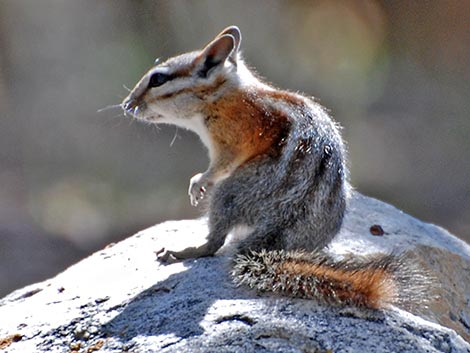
121	299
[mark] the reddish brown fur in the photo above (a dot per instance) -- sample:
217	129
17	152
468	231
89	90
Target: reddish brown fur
284	96
372	288
184	71
246	126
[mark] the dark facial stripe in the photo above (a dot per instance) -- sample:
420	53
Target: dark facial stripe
202	90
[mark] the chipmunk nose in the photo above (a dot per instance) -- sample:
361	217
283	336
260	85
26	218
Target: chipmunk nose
133	106
128	104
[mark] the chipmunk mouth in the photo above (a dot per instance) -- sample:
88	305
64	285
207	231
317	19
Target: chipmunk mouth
140	112
135	109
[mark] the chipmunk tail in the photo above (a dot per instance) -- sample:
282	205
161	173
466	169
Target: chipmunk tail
374	282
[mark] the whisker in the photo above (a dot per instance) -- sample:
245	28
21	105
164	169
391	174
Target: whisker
155	128
115	120
109	107
126	88
174	137
118	123
118	116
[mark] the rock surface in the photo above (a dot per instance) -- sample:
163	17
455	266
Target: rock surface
122	300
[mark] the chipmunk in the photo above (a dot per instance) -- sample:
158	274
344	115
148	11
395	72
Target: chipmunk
277	165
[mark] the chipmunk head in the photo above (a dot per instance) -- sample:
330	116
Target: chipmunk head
174	91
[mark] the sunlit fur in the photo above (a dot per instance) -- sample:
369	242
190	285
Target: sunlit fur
277	168
373	282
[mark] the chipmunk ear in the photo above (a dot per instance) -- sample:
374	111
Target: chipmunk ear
234	31
216	52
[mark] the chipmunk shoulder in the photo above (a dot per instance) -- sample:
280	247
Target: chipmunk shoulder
277	165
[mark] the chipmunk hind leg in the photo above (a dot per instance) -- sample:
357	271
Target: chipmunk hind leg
221	221
218	230
262	238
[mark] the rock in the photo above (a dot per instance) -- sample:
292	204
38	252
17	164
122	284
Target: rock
121	299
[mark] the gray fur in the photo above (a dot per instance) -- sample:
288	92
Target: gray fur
293	201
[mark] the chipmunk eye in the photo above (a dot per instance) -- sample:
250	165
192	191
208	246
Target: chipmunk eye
158	79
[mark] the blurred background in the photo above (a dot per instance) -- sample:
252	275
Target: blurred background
395	75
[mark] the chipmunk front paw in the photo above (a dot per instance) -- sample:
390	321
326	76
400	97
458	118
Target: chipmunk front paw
166	256
198	186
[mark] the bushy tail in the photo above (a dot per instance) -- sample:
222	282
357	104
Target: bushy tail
374	282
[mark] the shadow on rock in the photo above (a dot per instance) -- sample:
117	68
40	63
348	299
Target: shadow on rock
167	309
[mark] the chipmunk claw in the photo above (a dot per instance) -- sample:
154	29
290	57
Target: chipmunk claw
198	186
166	256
